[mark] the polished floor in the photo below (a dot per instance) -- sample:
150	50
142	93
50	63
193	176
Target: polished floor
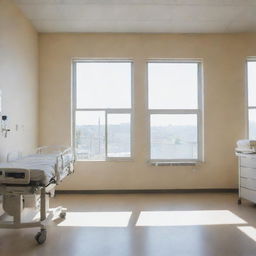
189	224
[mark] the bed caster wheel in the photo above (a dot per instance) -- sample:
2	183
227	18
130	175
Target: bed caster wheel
239	201
41	236
62	215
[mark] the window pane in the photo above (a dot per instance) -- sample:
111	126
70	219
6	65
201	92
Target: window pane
174	136
252	124
251	70
173	85
103	85
119	132
90	135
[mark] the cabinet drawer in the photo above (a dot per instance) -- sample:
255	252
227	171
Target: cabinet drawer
248	161
248	183
247	172
248	194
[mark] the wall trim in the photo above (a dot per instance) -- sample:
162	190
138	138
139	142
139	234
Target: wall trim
149	191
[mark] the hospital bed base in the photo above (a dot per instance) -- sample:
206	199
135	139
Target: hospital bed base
14	206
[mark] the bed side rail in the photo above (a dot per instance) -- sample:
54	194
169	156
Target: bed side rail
14	176
52	149
65	159
65	163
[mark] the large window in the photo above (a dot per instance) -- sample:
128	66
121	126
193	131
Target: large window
175	111
251	92
102	109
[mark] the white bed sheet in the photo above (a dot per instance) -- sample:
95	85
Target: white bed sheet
41	166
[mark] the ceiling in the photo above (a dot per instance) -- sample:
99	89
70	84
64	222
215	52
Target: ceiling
141	16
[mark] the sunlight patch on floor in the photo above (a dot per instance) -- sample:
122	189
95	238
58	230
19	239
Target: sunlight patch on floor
249	231
96	219
188	218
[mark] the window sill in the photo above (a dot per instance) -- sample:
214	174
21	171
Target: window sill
109	160
191	163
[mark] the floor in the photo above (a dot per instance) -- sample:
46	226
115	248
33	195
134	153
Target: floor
143	225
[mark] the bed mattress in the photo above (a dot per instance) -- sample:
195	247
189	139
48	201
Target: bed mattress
41	166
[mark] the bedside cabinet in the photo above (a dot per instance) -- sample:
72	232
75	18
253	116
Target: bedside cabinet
247	177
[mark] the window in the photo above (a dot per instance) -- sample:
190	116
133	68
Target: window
102	109
251	92
175	111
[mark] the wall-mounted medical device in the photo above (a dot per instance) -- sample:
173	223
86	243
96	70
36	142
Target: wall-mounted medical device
3	121
4	126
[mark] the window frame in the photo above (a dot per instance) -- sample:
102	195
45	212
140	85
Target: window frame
198	112
106	110
247	107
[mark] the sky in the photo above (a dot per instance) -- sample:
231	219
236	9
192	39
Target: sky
172	85
103	85
94	117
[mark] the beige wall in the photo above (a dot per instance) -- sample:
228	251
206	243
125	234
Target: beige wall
18	79
224	105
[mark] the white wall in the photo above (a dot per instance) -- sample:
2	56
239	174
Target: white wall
18	79
223	56
224	93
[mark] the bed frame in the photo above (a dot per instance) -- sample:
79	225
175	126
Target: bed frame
15	185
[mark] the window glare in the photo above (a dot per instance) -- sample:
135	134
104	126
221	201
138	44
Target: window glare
173	85
98	85
251	79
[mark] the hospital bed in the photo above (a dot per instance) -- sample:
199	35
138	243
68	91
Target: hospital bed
28	182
